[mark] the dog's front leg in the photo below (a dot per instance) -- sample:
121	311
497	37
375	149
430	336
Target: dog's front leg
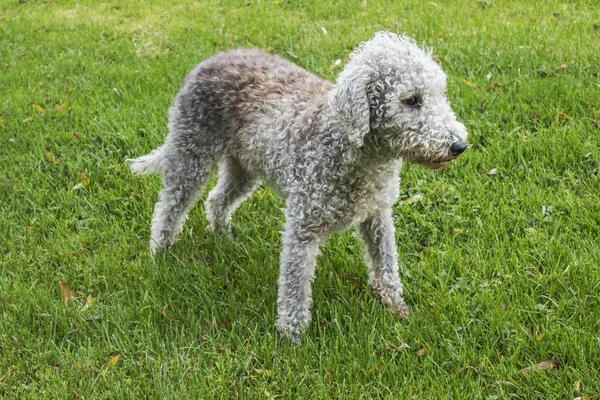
377	233
297	270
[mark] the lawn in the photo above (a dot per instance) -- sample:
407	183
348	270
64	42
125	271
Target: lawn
499	253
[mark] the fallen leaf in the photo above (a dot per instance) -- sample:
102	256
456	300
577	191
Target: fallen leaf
51	159
564	66
472	368
544	365
77	137
401	347
496	384
30	225
562	117
113	361
63	105
38	108
420	353
66	293
88	302
164	313
356	285
85	180
220	348
492	171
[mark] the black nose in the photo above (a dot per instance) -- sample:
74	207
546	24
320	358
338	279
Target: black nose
458	147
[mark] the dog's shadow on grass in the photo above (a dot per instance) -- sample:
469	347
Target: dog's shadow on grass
218	280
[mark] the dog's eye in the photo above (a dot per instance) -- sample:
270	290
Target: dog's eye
412	101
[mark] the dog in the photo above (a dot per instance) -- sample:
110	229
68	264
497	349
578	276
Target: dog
333	152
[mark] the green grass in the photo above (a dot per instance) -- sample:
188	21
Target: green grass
501	271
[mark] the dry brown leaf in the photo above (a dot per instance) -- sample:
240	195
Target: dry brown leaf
113	361
544	365
577	389
164	313
67	294
88	302
497	383
356	285
472	368
85	180
220	348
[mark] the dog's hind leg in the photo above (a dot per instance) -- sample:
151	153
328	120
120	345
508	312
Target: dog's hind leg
377	233
234	186
184	175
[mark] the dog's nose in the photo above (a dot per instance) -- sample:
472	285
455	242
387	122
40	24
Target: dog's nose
458	147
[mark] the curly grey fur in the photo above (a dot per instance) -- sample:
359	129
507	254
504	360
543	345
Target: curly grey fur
333	152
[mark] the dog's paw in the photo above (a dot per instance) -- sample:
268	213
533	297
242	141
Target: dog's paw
402	311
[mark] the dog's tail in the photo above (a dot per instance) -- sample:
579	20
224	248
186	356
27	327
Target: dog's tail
149	164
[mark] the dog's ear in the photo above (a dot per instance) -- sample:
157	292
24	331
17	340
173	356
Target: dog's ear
350	100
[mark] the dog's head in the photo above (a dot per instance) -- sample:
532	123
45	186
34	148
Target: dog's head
391	99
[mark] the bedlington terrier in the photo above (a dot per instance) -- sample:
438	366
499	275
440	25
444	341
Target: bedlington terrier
332	151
